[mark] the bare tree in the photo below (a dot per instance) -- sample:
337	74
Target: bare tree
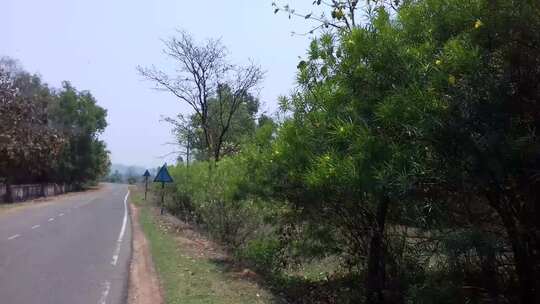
201	70
342	15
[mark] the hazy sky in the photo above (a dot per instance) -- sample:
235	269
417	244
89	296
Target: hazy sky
97	44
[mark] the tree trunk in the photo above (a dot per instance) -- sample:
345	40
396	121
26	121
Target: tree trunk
375	279
489	270
527	268
188	149
217	152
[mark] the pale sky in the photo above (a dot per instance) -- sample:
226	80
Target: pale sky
97	44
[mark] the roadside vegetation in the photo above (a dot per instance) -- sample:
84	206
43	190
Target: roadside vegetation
402	169
192	269
48	135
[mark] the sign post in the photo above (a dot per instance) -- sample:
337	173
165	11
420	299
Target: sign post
163	177
146	176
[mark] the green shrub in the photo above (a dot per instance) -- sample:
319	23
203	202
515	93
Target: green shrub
262	254
216	197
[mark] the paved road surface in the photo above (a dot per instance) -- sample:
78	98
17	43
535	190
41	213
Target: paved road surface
74	249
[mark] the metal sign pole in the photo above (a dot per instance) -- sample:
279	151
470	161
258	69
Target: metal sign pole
146	175
163	177
162	197
145	186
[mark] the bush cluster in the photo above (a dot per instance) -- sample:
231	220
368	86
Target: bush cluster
409	152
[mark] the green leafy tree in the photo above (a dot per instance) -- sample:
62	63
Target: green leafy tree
350	154
81	120
47	135
230	134
436	103
488	147
28	145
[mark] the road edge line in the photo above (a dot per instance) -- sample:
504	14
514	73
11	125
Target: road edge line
116	254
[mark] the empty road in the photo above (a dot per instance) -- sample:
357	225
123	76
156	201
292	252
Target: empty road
73	249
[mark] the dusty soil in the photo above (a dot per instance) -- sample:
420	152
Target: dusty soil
190	239
144	285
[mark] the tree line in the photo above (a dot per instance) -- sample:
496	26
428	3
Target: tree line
409	152
48	135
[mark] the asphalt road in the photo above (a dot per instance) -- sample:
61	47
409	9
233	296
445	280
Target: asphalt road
74	249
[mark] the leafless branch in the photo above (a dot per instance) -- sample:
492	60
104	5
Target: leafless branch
200	71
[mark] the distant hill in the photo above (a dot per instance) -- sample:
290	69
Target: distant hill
127	174
125	170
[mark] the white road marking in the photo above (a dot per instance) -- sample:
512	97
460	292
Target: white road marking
60	214
51	219
105	292
124	222
116	254
13	237
36	226
122	232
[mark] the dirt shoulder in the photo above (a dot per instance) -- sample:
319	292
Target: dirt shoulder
144	285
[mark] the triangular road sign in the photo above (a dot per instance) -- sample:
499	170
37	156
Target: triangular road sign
146	173
163	175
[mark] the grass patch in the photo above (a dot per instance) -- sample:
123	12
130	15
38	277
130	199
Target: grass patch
187	277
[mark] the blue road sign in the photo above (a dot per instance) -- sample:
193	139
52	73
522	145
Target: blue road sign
146	174
163	175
